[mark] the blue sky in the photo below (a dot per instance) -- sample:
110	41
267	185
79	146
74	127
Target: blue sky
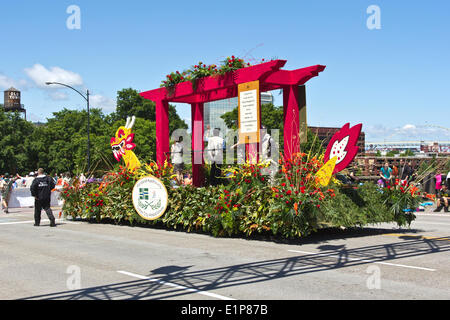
394	80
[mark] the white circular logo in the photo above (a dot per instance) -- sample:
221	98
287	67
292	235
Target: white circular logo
150	198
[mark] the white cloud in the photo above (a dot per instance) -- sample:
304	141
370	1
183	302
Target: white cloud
408	132
102	102
7	82
40	75
408	127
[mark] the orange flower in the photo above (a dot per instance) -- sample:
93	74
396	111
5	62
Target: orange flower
413	190
431	196
296	208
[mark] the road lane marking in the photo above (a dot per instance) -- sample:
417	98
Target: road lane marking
32	221
364	260
428	222
432	214
205	293
419	237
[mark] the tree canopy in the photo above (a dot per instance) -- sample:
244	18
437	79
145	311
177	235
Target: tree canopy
60	145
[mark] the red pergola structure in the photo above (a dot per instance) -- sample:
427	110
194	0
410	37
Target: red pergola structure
222	87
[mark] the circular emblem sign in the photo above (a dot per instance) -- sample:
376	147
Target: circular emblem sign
150	198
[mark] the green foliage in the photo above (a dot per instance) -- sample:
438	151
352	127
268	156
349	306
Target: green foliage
407	153
291	206
61	144
15	135
202	70
130	103
392	153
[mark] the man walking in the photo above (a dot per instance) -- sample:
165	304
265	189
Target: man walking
5	186
41	189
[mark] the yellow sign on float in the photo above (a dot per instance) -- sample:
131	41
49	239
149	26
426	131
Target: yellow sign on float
323	176
249	112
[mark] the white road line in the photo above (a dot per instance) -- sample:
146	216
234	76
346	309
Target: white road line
32	221
205	293
364	260
427	222
432	214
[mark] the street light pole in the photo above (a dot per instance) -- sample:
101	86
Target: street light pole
88	134
88	115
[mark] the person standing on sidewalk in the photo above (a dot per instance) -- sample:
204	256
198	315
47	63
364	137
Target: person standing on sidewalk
5	186
41	190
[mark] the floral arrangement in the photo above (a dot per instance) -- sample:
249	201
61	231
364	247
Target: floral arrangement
201	70
289	204
403	198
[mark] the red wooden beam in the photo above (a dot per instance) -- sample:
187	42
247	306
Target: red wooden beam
212	83
293	77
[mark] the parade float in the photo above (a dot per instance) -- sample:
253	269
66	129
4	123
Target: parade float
302	196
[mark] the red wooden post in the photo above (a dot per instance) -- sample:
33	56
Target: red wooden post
197	144
291	121
162	131
252	152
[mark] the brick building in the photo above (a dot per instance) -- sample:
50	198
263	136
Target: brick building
326	133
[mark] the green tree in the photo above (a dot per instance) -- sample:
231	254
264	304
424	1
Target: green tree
392	153
61	145
14	132
407	153
130	103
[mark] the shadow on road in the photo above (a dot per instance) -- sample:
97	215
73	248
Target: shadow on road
330	257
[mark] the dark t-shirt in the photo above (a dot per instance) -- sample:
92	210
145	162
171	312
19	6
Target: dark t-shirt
42	187
406	172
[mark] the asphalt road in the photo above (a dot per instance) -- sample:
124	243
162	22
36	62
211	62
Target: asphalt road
78	260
